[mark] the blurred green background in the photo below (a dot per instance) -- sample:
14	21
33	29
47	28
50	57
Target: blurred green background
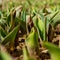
38	3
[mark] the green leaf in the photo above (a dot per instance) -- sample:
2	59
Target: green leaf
11	36
8	19
41	16
2	22
53	50
22	24
3	32
23	14
53	15
5	56
1	15
32	39
56	20
26	54
40	26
